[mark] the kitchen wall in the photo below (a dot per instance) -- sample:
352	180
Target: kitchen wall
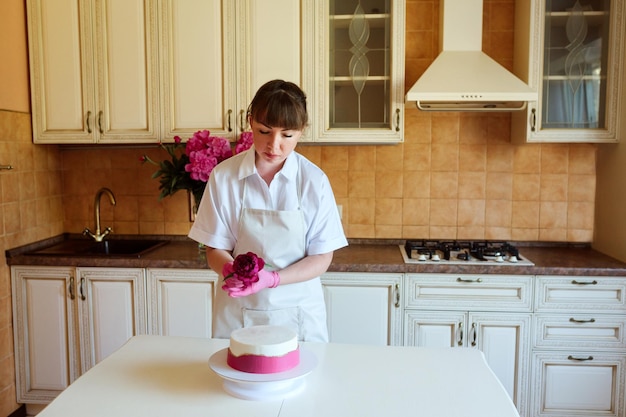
456	175
30	193
610	222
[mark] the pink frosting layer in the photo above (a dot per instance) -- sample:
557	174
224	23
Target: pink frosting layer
256	364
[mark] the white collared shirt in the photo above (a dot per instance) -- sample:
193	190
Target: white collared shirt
217	220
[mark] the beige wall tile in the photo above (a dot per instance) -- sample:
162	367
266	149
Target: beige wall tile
554	159
527	159
499	186
444	185
472	185
525	215
362	211
581	188
498	214
472	158
361	183
389	184
388	211
553	187
443	212
444	157
471	213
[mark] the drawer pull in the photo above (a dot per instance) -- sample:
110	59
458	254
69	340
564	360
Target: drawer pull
397	291
574	358
474	334
72	295
82	292
459	279
573	320
459	340
594	282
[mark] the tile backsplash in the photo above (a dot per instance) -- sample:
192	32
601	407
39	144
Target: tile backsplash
456	176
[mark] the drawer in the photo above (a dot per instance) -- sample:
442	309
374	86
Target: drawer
469	292
579	331
580	294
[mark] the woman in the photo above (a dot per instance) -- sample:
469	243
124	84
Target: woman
275	203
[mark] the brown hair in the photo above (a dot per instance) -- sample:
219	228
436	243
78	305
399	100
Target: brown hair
280	103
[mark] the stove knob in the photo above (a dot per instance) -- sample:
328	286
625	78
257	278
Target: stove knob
513	259
435	257
499	258
422	257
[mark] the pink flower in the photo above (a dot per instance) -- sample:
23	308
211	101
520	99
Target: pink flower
244	142
205	152
243	271
247	265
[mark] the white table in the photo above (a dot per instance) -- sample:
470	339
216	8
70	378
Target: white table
170	376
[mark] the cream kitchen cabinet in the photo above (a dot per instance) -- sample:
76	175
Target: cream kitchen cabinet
93	71
571	51
217	53
358	95
68	319
579	348
492	313
364	308
180	301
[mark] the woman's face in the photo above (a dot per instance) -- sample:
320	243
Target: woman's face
273	144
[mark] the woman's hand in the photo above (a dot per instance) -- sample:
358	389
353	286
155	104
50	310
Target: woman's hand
237	288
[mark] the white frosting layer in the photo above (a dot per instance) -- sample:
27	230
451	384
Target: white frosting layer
263	341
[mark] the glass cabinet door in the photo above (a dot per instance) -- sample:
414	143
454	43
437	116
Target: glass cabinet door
575	64
571	51
362	91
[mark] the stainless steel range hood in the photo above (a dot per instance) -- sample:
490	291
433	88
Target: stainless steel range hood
463	77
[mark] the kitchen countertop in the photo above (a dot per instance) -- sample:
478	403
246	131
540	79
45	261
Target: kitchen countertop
362	255
170	376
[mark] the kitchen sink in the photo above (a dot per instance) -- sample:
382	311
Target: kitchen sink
131	248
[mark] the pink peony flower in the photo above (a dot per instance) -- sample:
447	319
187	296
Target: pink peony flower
245	142
205	152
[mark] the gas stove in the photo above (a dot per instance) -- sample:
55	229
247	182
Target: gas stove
458	252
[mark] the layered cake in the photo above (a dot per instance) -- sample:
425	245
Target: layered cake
263	349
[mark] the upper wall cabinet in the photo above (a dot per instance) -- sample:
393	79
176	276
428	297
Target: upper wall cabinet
217	53
359	54
93	71
572	52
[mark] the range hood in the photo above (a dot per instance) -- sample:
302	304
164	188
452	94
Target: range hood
463	77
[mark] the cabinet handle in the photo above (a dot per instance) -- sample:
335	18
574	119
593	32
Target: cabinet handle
460	334
575	282
459	279
533	120
574	358
242	118
573	320
82	293
397	120
474	334
72	295
230	113
88	123
100	122
397	289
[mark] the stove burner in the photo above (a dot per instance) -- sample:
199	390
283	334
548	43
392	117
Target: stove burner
463	251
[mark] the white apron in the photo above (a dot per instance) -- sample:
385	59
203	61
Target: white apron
278	236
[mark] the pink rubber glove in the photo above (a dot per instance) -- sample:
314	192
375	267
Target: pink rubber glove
267	279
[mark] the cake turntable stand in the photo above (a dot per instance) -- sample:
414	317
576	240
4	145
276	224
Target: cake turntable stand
263	387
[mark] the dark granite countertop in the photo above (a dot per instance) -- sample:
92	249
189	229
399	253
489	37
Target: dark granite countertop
360	256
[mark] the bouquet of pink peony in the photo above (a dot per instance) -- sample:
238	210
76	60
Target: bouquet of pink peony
192	162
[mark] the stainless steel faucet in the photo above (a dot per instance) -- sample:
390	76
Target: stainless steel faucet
98	235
